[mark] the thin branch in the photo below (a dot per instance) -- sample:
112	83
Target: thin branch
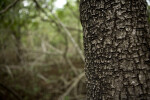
54	48
73	29
47	52
9	6
39	7
72	66
66	83
9	71
43	78
68	27
72	11
42	10
11	91
65	29
70	36
75	83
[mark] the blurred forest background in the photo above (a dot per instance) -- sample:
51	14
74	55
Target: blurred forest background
41	50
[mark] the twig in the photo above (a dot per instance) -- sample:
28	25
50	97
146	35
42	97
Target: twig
11	91
70	36
9	71
72	11
66	83
68	27
41	52
75	83
73	29
71	65
9	6
63	26
54	48
43	78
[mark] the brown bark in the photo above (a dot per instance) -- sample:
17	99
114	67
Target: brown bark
117	55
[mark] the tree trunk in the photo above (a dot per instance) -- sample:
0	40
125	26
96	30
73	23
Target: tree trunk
116	49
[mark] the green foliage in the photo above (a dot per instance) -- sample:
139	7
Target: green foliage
38	33
32	38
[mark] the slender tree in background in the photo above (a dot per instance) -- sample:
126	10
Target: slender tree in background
116	49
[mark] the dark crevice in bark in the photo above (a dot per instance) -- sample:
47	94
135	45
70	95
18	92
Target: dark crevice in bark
116	44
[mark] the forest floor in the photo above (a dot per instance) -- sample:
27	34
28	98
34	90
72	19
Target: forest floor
46	80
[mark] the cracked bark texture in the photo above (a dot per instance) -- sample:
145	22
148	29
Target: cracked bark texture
116	46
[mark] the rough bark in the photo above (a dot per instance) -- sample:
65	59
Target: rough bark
117	55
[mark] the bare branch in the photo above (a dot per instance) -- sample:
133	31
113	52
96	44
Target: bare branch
43	77
75	83
73	29
72	11
9	71
70	36
68	27
9	6
65	29
11	91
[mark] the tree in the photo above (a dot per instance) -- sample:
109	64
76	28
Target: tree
10	30
116	45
